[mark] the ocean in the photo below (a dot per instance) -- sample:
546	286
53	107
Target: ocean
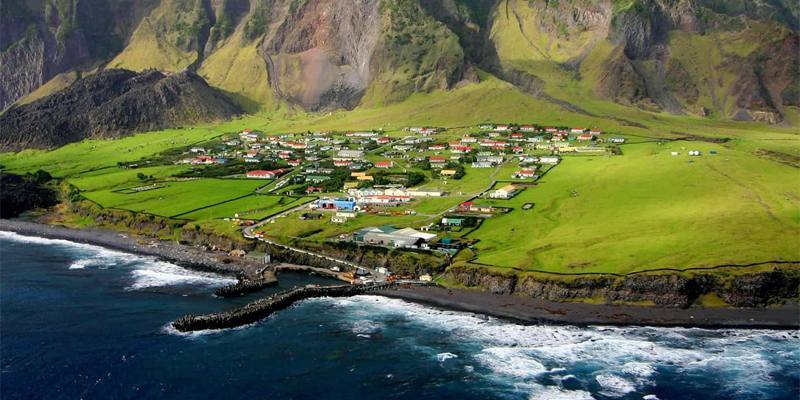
84	322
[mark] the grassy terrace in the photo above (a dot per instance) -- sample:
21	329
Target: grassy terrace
641	210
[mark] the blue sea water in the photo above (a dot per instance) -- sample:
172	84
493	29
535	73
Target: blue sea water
83	322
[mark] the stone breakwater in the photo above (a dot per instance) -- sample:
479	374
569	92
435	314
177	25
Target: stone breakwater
246	285
262	308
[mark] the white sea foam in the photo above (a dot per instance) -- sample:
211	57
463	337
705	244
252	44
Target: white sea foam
442	357
151	274
147	272
615	386
621	360
557	393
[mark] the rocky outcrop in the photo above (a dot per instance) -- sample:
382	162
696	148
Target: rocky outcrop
672	289
111	104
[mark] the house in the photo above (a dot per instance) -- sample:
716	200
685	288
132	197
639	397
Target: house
494	159
517	136
252	159
469	139
285	155
577	131
317	178
486	127
452	221
437	159
501	128
263	174
436	147
391	237
482	164
460	149
424	193
447	172
197	150
384	164
616	140
526	173
347	204
527	128
585	137
295	163
552	160
341	163
383	140
469	206
505	192
349	155
203	160
312	189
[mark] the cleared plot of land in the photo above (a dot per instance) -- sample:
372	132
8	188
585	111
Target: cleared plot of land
250	207
176	198
649	209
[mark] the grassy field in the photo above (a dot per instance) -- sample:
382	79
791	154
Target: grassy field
250	207
648	209
175	198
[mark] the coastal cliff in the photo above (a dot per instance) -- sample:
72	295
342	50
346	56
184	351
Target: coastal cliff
774	285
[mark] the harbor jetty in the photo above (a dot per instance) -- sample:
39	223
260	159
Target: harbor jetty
262	308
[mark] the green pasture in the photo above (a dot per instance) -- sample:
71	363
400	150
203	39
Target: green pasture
648	210
176	197
251	207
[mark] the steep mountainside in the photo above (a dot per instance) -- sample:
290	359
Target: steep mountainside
731	59
113	103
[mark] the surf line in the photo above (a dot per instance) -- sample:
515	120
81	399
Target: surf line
262	308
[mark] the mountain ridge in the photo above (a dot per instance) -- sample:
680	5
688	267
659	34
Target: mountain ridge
732	60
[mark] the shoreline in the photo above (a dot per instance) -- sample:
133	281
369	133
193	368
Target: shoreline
527	310
519	309
183	255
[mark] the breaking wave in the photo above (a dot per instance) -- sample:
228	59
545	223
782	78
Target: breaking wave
145	272
546	361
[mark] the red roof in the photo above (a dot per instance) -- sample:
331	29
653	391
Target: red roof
383	164
437	159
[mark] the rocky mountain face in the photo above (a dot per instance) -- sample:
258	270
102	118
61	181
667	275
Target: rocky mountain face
112	103
731	59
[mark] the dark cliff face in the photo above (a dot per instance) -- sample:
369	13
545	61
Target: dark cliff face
113	103
670	290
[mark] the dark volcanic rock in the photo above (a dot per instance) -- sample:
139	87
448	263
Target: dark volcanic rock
113	103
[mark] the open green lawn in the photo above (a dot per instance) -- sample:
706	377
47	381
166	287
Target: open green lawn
109	178
648	209
251	207
175	198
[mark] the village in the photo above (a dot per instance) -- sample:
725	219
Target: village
352	174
